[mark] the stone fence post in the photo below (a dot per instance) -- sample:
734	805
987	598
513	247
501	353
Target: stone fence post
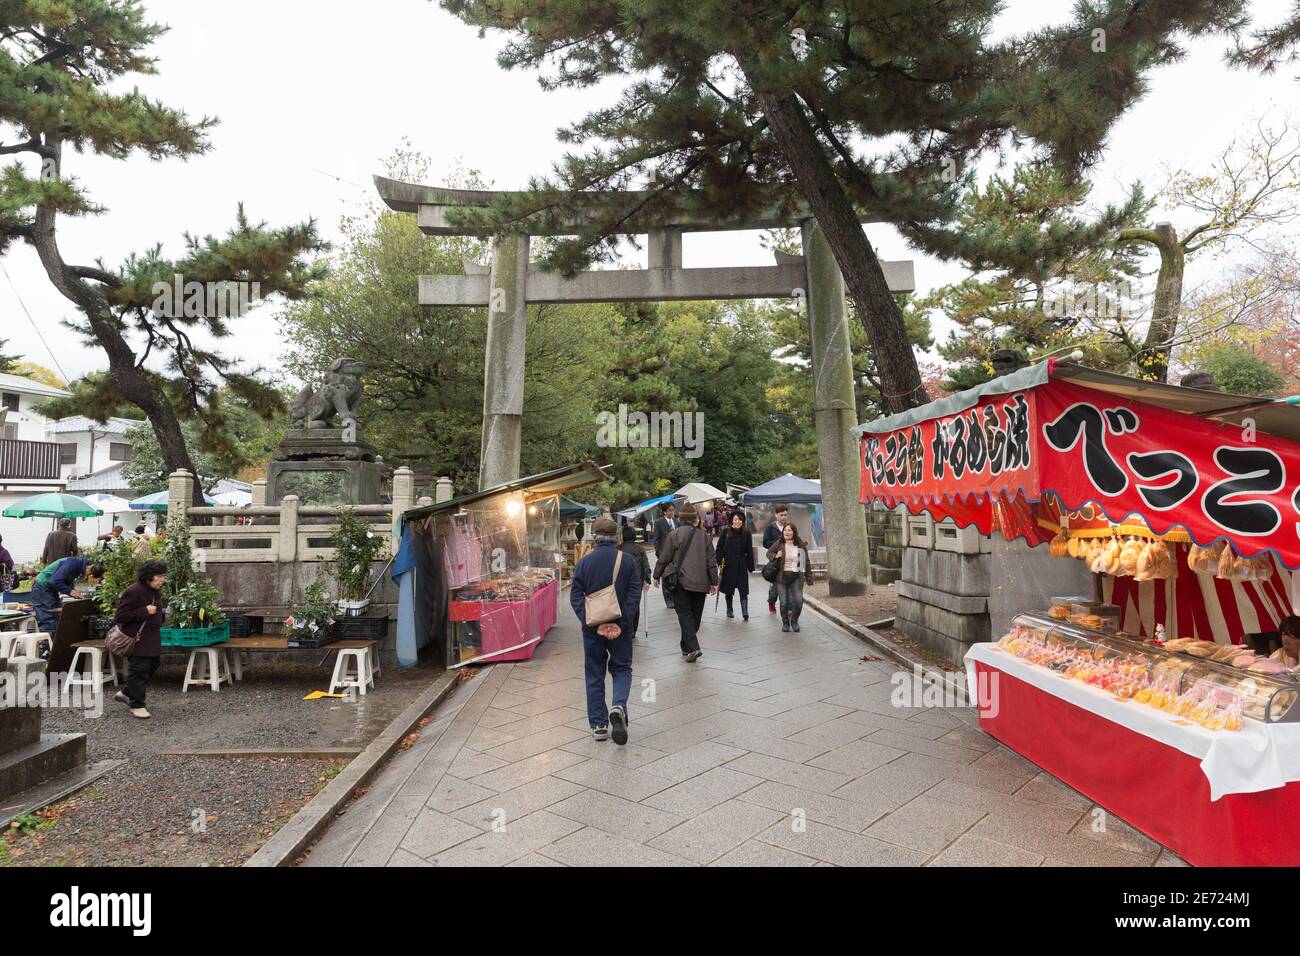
180	492
259	493
443	490
288	551
403	500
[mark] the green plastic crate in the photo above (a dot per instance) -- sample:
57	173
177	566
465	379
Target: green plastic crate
195	636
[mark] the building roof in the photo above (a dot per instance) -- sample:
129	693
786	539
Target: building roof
106	479
80	423
227	485
19	383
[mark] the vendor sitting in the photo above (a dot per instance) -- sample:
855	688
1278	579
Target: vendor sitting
57	578
1288	655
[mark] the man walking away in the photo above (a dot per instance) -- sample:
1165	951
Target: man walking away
607	646
59	544
688	567
771	535
635	550
665	525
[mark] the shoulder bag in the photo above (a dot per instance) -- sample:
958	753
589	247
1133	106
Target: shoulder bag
120	643
602	607
672	579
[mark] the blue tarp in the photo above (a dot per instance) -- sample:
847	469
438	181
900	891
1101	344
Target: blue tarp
646	505
789	488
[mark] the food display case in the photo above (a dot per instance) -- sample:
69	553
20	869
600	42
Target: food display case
1135	665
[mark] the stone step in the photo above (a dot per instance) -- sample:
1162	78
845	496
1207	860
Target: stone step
882	576
887	557
894	537
37	762
19	726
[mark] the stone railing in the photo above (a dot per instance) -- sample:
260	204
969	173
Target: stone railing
284	533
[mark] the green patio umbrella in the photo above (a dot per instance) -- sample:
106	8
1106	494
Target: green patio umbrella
52	505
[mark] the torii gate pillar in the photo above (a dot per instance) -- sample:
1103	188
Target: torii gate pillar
835	414
503	367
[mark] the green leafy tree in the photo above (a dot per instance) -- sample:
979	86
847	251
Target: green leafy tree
147	470
7	362
1238	370
854	108
63	70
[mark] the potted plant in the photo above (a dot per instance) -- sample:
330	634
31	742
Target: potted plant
119	574
311	623
356	546
194	615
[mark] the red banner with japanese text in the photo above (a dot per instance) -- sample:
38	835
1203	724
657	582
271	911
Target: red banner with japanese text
1212	479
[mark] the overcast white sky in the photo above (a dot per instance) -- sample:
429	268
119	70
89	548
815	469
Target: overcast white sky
311	95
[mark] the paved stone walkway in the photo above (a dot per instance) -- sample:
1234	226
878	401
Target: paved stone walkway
774	749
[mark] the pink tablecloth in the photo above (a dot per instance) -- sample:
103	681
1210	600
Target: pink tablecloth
512	629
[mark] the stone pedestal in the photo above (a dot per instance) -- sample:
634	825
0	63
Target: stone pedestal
313	459
29	758
358	481
943	600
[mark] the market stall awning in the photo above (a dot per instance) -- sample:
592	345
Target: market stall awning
576	509
645	506
1217	466
546	483
697	491
788	488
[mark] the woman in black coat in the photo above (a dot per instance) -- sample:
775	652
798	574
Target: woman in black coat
736	555
140	612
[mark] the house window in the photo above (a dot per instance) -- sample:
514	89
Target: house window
119	451
9	400
68	453
9	431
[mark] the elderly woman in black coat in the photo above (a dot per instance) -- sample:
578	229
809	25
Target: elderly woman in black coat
140	614
736	555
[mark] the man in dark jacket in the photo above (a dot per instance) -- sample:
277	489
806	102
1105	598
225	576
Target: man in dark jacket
55	579
688	555
60	544
607	646
771	535
665	525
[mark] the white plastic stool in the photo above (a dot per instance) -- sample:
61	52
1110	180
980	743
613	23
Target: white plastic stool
213	669
95	658
235	661
343	677
29	645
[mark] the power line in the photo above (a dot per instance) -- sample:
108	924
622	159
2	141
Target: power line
35	328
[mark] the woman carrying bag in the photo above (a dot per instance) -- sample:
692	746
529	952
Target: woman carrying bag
789	559
140	616
736	555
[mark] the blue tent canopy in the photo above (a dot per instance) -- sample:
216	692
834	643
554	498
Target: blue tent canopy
788	488
158	502
646	505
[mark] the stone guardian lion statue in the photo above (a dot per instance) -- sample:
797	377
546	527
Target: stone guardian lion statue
339	395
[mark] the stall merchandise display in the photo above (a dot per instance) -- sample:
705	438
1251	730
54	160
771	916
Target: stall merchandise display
1198	681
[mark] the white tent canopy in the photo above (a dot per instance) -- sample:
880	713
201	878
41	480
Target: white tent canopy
697	491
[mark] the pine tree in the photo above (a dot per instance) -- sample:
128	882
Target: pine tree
849	107
62	66
7	362
1045	274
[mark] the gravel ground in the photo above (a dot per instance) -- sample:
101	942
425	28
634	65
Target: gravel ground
175	810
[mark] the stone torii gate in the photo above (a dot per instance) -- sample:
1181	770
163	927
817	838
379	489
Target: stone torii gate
510	283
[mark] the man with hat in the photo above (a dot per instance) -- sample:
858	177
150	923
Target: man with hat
688	566
607	646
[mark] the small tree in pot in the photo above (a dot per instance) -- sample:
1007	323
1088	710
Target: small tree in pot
356	546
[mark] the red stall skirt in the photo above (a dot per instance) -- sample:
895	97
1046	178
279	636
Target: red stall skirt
1152	786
